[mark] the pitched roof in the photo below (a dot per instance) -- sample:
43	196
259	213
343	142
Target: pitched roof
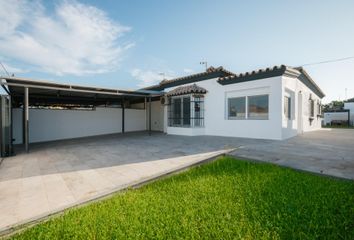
210	73
297	72
193	88
226	77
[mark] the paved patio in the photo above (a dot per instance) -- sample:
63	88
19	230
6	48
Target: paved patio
57	175
327	151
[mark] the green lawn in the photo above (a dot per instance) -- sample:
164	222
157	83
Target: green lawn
226	199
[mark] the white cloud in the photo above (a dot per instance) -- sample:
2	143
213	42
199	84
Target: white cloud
77	39
149	77
10	69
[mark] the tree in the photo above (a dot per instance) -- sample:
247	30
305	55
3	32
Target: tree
333	106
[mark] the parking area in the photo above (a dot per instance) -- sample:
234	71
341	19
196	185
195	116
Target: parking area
327	151
60	174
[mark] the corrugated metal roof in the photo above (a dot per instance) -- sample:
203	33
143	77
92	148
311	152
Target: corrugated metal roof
47	92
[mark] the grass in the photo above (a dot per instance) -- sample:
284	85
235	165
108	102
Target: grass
225	199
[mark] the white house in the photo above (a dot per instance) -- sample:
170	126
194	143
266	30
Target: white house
274	103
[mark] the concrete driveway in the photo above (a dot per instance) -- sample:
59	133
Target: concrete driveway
327	151
57	175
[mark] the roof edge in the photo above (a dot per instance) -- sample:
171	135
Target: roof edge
282	70
320	93
210	73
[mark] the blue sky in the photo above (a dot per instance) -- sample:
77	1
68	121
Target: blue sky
126	44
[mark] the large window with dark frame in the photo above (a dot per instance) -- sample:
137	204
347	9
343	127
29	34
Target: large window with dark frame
237	108
186	111
248	107
258	107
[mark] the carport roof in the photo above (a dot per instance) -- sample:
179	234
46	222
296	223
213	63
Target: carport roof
47	92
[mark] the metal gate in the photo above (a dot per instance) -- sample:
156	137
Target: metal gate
5	126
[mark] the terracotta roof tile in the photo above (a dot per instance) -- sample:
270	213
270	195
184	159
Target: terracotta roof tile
211	72
194	88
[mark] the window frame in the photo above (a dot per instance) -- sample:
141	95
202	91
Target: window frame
287	107
195	119
245	108
311	108
248	111
319	108
246	117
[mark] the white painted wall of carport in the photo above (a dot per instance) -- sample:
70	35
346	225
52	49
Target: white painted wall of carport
157	115
48	125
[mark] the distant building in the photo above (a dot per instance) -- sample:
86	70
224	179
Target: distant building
341	116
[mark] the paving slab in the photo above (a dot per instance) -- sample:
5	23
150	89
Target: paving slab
61	174
56	176
327	151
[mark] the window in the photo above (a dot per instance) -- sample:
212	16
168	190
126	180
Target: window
258	107
287	107
186	111
176	111
319	112
237	108
198	118
312	108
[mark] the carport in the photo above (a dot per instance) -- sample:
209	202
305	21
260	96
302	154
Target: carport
37	94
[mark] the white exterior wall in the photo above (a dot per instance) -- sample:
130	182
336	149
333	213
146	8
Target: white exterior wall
350	107
277	126
186	131
332	116
300	113
157	115
48	125
216	121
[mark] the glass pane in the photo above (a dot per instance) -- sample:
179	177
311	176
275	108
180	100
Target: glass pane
258	107
237	107
176	109
186	111
197	115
